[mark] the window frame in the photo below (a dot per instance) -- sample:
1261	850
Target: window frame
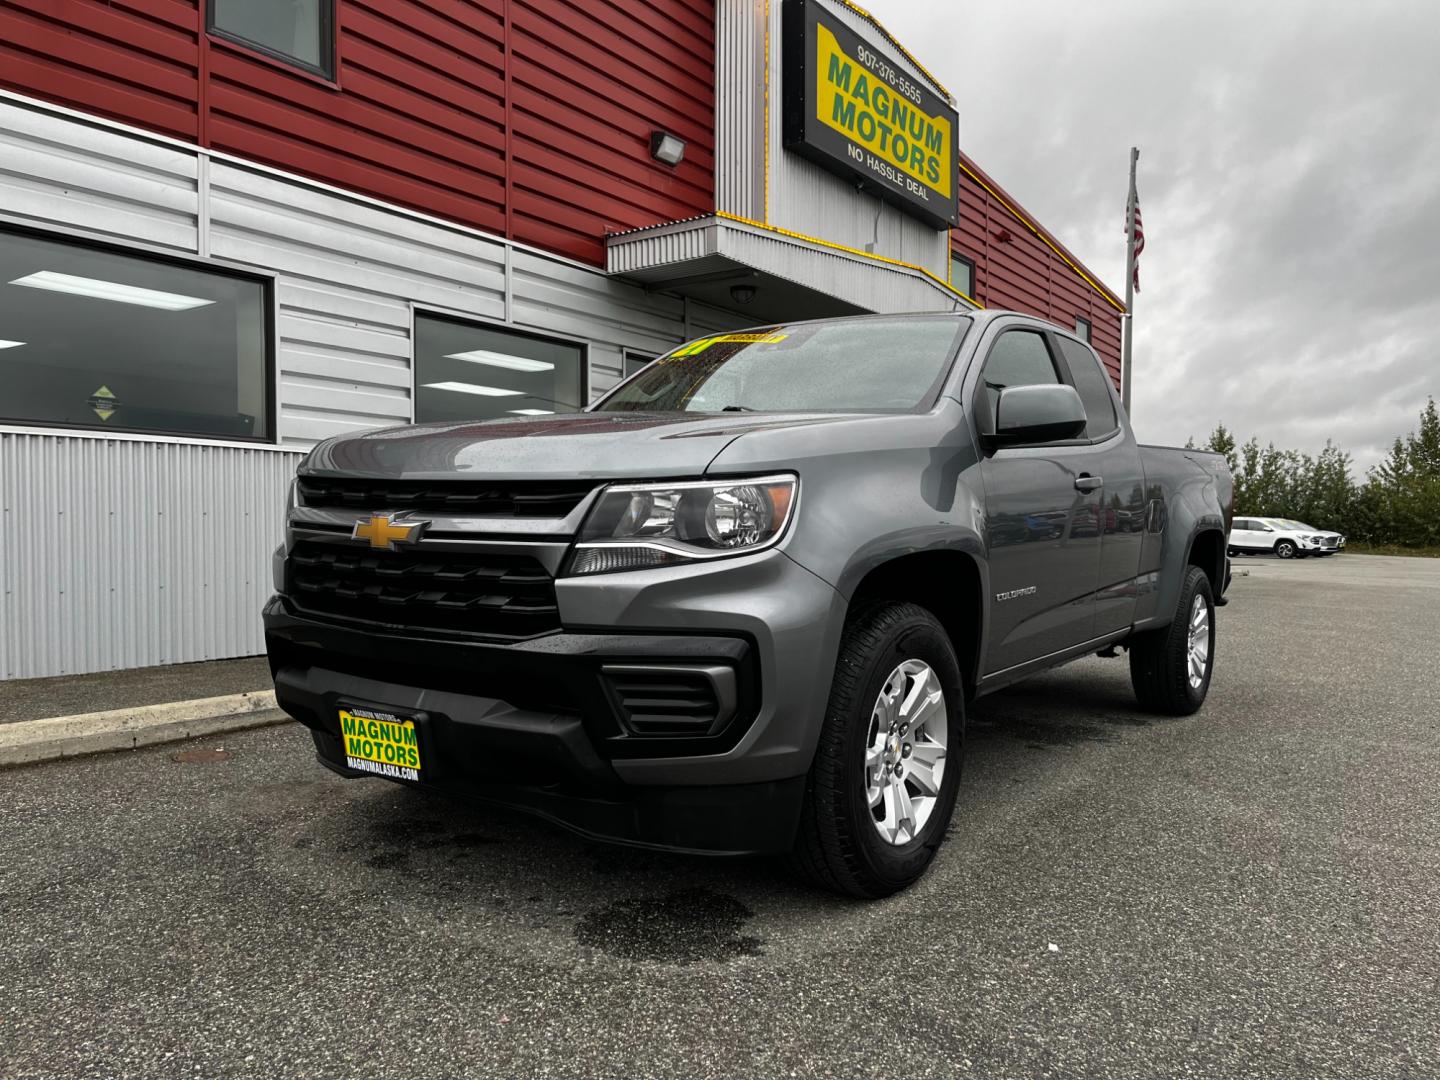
1081	320
328	33
970	265
984	427
268	281
470	318
1115	409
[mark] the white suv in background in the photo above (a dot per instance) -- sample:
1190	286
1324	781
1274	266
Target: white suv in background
1287	539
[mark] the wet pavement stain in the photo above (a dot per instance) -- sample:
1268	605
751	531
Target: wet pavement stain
200	757
680	928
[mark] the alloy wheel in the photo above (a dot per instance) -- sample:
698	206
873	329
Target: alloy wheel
905	751
1198	651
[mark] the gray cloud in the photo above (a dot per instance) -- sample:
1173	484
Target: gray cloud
1289	175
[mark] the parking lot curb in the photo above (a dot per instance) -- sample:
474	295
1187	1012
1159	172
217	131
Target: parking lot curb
27	741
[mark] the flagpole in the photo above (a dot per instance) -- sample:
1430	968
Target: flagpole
1129	326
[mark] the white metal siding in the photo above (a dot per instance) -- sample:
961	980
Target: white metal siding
110	184
740	106
129	551
124	553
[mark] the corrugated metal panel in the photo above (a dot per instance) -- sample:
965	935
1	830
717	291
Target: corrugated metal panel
809	199
133	61
121	553
869	285
740	107
90	178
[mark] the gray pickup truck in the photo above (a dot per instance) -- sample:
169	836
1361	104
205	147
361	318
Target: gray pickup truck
739	604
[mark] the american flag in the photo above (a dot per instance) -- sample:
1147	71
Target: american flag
1139	236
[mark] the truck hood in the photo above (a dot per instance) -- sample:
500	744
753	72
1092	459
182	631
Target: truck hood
598	446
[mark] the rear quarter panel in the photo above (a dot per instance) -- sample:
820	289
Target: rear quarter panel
1189	492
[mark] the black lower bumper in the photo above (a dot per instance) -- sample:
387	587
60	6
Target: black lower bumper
531	725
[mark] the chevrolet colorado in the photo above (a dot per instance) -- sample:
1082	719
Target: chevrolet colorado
740	603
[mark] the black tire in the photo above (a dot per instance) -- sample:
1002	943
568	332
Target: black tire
837	846
1286	549
1160	659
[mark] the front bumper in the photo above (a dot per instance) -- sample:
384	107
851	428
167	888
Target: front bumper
534	724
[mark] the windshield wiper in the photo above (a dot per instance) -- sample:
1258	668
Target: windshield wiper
738	408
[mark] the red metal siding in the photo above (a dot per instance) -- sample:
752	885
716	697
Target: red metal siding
131	60
1019	265
527	118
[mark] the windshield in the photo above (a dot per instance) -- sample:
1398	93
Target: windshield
889	364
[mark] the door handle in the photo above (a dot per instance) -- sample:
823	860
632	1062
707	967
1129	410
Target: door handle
1086	482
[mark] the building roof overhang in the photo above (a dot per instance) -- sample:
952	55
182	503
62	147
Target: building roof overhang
793	276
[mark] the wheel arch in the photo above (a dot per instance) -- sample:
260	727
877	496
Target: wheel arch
949	584
1207	550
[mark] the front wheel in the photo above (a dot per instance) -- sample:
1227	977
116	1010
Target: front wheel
1170	668
1286	549
882	788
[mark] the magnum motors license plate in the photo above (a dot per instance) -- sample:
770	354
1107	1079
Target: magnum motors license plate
380	743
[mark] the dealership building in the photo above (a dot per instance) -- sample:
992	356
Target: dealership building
230	229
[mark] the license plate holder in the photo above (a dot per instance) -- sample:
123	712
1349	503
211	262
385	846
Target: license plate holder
381	741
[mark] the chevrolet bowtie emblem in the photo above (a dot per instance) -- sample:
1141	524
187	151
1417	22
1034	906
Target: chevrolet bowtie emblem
384	532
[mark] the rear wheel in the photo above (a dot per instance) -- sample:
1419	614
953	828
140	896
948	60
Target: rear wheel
1286	549
882	788
1170	668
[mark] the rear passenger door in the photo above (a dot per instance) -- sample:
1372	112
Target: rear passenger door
1042	520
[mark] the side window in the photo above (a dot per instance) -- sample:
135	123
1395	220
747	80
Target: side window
635	361
474	371
1093	386
1242	525
1082	328
1018	358
299	32
962	273
104	338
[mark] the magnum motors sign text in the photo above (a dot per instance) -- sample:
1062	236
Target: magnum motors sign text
850	109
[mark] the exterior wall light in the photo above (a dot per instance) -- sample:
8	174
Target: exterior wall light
666	147
742	294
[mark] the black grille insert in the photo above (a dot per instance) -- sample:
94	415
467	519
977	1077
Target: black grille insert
489	595
530	498
660	700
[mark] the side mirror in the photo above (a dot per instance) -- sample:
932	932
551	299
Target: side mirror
1034	414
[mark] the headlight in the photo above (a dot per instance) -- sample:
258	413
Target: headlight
634	526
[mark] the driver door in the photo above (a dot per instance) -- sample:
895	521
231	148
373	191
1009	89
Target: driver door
1042	519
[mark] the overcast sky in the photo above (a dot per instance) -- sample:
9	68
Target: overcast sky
1289	179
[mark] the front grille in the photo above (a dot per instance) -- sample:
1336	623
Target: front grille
660	700
520	498
488	595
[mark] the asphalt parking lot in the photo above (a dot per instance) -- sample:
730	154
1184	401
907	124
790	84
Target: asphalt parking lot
1254	891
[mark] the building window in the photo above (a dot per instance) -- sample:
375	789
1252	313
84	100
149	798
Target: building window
634	361
471	371
1082	327
97	338
962	274
299	32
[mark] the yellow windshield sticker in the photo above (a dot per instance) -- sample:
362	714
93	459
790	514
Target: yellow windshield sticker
699	345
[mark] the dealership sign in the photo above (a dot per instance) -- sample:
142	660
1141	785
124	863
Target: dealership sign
850	109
